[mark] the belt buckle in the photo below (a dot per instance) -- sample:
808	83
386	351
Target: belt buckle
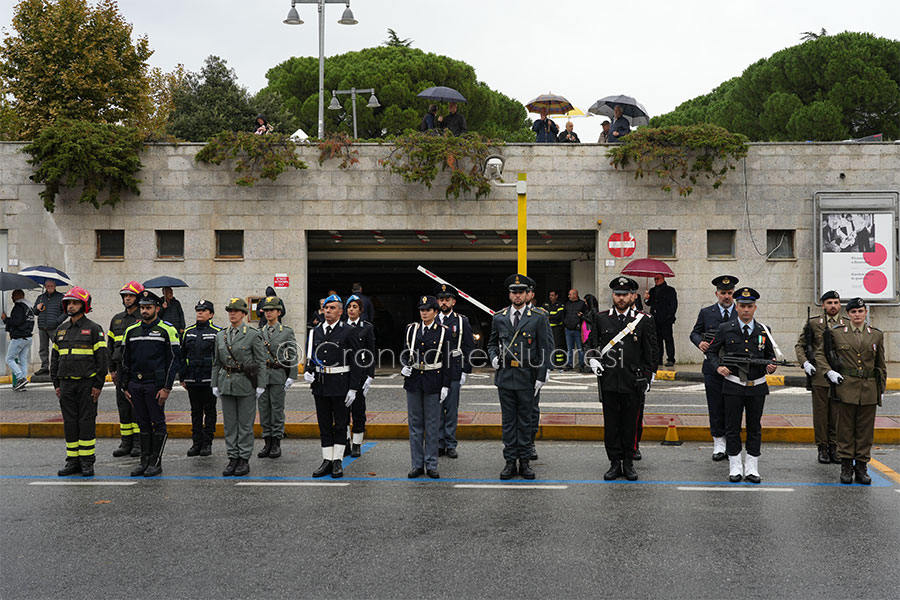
750	383
514	363
140	375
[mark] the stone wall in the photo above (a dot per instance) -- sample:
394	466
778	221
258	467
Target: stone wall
569	187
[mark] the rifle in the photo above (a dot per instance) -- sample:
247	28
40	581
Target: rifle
809	348
833	360
743	363
708	336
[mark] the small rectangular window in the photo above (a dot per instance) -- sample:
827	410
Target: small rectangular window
780	243
229	244
170	244
720	243
110	243
661	243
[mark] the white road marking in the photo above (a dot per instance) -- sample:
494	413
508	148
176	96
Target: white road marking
291	484
82	482
699	488
508	486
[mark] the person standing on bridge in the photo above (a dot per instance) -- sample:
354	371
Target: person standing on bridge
708	321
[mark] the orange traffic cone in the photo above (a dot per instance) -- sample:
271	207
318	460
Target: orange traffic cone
671	435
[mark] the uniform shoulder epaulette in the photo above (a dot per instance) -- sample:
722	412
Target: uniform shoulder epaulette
505	311
216	327
872	328
189	327
130	327
540	310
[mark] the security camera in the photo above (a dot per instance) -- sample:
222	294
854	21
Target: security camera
493	167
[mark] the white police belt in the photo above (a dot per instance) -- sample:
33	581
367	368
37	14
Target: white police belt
456	353
748	383
427	366
629	329
333	370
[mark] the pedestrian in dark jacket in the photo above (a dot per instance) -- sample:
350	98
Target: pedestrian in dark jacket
568	136
171	311
19	325
545	128
573	312
620	126
50	315
429	121
663	302
454	121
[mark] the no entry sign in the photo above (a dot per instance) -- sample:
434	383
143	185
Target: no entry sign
621	244
282	280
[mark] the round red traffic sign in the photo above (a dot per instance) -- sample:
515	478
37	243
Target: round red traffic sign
621	244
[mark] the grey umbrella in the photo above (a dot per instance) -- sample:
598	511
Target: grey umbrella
441	94
14	281
633	110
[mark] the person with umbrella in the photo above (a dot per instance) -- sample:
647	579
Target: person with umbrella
620	126
172	312
50	315
545	128
663	302
454	121
20	325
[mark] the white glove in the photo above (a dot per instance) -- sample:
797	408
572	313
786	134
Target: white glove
810	370
216	392
406	371
462	380
351	396
366	385
444	392
259	392
835	377
596	366
309	376
288	383
537	386
495	362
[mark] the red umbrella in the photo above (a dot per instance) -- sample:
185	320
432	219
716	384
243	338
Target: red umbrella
647	267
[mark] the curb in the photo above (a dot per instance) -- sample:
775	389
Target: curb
398	431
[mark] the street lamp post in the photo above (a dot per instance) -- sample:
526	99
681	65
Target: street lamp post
335	105
293	18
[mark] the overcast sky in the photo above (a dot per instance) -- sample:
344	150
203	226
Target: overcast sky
663	53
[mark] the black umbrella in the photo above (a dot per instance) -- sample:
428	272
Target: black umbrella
441	94
633	110
164	281
14	281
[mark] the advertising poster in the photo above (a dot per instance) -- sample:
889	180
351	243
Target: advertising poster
858	254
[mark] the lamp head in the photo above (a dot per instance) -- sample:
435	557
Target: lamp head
347	17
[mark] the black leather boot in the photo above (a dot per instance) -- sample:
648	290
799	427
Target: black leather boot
615	470
846	471
355	451
242	467
87	466
832	454
823	457
158	444
229	470
509	471
267	448
206	449
125	446
637	454
324	469
194	450
146	442
72	466
275	451
862	475
628	470
525	469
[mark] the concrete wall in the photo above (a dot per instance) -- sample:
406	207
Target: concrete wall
569	187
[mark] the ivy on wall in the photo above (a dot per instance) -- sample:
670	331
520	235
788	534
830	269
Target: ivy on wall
254	156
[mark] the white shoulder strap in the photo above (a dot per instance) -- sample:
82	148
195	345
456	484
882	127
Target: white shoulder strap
629	328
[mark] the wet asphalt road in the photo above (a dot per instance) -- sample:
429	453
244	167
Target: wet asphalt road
679	532
569	392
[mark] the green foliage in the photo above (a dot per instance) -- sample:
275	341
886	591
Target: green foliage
419	157
846	85
338	145
154	121
97	156
257	155
681	154
397	74
70	60
394	40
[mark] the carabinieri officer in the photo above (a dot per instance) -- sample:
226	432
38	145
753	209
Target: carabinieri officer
366	360
520	349
426	372
743	388
462	343
151	357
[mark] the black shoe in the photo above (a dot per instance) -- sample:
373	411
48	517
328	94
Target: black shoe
452	453
87	469
862	475
615	470
139	470
324	469
355	451
417	472
42	372
532	452
433	473
628	470
719	456
267	448
242	467
753	478
275	451
734	478
823	457
637	454
194	450
846	471
136	449
146	444
347	450
71	467
206	449
525	469
125	447
509	471
21	385
337	469
670	363
230	469
154	467
442	451
832	455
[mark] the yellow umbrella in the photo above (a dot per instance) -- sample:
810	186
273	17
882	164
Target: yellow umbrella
575	112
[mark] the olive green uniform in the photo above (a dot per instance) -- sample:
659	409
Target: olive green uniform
823	410
275	339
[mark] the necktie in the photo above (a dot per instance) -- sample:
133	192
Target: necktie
516	320
747	330
621	319
327	330
725	315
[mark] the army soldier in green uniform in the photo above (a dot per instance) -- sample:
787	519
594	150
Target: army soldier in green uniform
280	345
128	427
519	348
855	354
808	345
239	378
